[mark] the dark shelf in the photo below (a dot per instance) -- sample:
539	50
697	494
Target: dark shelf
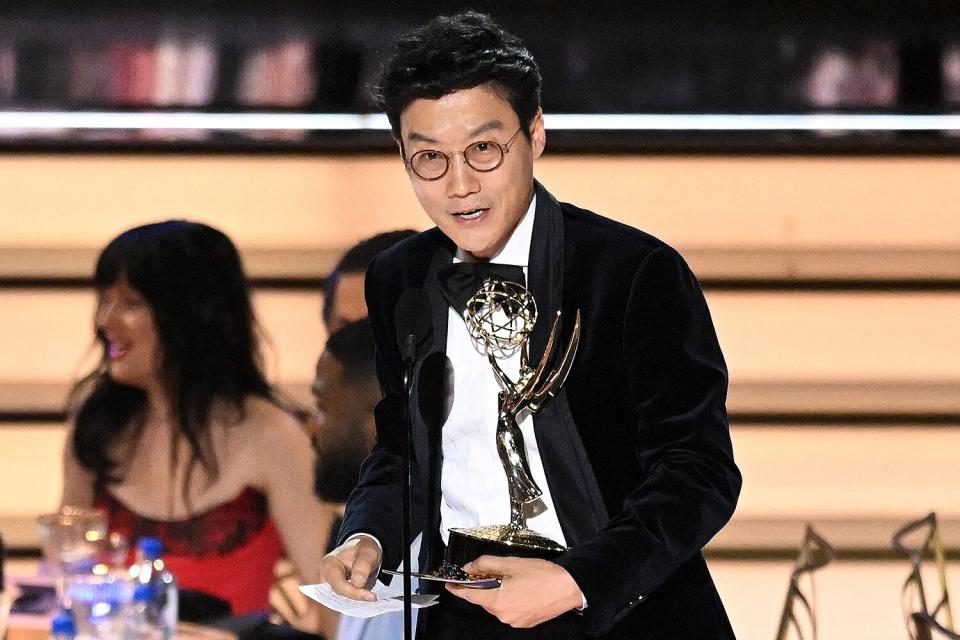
301	56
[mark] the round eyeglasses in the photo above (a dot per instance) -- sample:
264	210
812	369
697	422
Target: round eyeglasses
482	156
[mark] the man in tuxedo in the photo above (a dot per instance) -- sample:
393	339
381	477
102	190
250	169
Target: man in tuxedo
633	454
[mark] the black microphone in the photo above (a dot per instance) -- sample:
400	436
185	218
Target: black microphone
435	401
436	374
414	320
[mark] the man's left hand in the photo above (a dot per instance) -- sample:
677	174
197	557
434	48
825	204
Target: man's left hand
532	591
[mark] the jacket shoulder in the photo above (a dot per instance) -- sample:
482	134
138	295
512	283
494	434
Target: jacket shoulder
588	233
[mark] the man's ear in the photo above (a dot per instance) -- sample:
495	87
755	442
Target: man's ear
538	134
403	156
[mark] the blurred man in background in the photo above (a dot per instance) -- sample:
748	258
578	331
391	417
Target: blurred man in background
346	391
345	388
343	291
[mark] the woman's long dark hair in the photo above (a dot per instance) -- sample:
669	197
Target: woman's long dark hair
191	277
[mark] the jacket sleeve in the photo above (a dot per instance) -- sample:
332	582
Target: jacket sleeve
689	483
374	506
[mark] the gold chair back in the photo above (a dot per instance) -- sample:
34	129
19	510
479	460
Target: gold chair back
798	619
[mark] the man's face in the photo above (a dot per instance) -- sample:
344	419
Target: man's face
345	433
349	305
477	210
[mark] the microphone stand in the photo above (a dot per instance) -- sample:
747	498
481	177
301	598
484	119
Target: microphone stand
409	353
412	315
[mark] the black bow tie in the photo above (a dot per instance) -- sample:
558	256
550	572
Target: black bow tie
460	281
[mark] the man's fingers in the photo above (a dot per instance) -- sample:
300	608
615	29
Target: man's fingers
488	564
479	597
332	569
342	586
366	565
347	568
359	575
334	572
354	593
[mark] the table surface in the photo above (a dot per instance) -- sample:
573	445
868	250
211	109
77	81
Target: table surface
25	627
22	626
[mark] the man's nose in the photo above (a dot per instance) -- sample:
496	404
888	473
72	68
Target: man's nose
461	179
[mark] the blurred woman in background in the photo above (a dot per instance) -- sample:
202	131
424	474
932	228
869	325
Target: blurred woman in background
177	434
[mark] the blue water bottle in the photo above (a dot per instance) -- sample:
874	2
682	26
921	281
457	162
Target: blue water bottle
150	570
63	627
140	621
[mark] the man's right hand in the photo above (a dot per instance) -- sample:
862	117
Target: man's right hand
351	569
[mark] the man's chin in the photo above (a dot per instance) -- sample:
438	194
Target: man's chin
479	250
333	482
333	492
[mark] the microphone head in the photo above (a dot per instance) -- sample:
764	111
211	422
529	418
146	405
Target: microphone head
435	390
413	317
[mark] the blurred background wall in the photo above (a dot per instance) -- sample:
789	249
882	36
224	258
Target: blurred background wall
830	259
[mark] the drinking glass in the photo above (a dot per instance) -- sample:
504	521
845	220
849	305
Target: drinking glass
98	601
72	540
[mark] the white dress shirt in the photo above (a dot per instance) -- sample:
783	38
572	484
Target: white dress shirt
473	483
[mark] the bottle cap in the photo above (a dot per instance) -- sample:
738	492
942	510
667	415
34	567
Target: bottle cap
151	548
63	625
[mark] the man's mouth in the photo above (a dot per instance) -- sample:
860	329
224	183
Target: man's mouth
470	214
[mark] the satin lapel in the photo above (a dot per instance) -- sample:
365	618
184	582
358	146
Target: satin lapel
573	485
545	271
442	258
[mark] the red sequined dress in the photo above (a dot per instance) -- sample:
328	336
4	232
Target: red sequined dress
228	551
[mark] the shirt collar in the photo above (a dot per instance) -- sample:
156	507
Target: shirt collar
517	249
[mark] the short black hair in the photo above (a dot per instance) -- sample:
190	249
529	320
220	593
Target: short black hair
354	348
451	53
356	260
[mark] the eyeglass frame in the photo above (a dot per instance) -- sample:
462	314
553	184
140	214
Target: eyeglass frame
504	150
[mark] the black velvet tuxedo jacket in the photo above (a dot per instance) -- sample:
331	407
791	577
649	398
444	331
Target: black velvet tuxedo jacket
636	447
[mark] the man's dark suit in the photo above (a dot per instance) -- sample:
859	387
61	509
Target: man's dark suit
636	448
